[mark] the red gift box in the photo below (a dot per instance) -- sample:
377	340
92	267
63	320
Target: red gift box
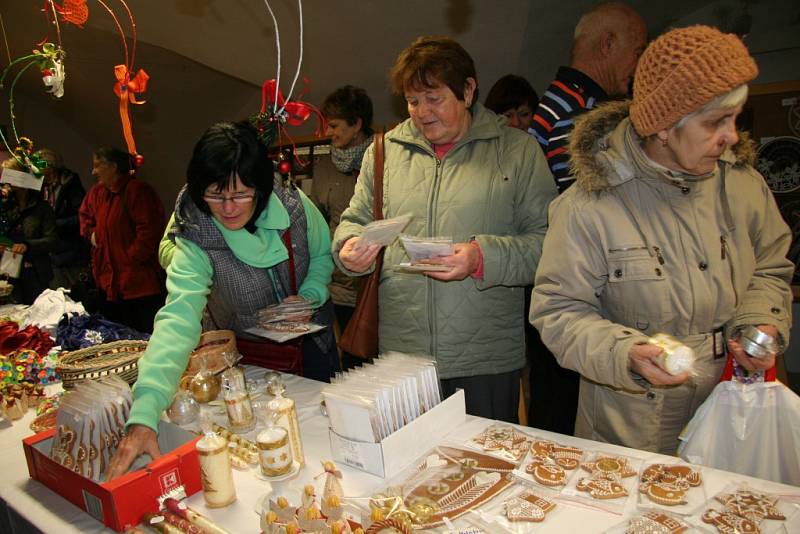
120	504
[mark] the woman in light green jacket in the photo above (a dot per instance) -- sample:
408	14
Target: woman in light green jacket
464	174
669	229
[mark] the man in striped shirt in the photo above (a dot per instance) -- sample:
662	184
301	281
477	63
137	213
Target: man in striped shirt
607	44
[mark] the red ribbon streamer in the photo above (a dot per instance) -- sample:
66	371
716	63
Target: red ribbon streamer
126	89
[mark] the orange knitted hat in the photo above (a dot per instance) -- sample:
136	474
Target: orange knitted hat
683	70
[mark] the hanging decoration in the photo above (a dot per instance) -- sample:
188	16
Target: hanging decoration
73	11
128	84
277	111
50	61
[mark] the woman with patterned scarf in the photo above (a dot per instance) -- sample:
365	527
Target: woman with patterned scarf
349	114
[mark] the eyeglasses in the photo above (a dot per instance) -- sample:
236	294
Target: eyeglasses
236	199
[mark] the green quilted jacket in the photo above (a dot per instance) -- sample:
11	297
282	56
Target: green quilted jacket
493	186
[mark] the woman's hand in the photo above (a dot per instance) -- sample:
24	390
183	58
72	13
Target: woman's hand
358	259
464	262
751	363
139	439
642	361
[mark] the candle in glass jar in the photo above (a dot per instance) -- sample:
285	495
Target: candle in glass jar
237	401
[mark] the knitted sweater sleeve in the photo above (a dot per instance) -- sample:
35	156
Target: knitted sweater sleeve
176	333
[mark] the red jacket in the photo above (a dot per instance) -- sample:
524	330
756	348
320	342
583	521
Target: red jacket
125	260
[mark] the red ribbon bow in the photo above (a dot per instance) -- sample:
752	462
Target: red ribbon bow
127	87
297	112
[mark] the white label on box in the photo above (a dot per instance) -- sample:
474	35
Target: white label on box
351	455
786	102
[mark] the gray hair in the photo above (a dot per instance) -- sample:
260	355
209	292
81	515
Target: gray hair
729	100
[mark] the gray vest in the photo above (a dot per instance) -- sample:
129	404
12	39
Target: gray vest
239	290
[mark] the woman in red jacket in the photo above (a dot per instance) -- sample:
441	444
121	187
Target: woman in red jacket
123	219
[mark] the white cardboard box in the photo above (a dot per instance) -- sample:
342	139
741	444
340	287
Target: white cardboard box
398	450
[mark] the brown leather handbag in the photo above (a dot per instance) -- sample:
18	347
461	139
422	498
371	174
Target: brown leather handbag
360	337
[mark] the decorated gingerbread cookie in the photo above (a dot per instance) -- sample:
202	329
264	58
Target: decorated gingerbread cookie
468	479
729	523
602	488
609	467
528	507
655	523
666	493
547	474
751	505
504	440
667	484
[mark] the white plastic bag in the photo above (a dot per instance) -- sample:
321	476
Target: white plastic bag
48	308
752	429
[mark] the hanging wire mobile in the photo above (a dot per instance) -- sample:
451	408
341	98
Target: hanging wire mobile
49	58
277	111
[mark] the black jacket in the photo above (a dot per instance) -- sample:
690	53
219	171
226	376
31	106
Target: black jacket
71	248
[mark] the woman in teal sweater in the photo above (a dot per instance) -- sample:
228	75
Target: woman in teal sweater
230	259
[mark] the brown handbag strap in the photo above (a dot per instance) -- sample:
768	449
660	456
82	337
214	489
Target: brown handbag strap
377	189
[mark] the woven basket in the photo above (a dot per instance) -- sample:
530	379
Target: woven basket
213	345
115	358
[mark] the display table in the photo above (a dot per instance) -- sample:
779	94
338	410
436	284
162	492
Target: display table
51	513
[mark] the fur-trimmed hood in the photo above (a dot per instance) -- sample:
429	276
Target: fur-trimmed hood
603	130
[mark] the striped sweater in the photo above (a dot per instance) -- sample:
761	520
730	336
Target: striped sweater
569	95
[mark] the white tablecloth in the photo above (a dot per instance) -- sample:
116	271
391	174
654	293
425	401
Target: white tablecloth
51	513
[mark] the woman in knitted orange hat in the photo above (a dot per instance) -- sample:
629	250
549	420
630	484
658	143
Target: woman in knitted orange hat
669	230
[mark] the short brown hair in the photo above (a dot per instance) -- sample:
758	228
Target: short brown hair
431	61
349	103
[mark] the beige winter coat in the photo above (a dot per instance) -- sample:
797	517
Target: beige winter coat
633	251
